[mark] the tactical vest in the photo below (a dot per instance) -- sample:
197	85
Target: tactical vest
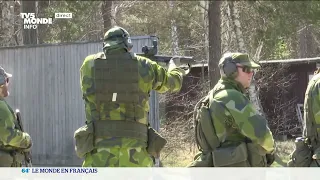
116	81
309	115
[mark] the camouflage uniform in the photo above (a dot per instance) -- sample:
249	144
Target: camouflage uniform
311	129
312	110
234	117
120	151
12	140
307	148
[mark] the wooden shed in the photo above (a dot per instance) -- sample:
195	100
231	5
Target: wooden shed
301	69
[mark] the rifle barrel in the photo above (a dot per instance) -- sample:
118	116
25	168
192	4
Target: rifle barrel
166	59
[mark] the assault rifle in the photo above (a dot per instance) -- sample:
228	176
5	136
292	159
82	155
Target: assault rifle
27	155
150	52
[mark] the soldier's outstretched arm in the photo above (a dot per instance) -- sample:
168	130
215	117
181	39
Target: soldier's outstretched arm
8	134
165	80
250	123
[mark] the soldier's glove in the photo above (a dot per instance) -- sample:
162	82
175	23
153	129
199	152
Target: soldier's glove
28	149
175	60
270	158
173	63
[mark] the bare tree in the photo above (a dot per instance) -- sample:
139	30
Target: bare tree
214	17
42	29
174	32
253	91
204	20
7	23
29	35
106	10
275	82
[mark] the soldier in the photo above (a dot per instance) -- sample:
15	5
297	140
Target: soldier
13	142
228	124
307	150
115	84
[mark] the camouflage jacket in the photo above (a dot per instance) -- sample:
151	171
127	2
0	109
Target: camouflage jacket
10	136
152	77
235	117
311	118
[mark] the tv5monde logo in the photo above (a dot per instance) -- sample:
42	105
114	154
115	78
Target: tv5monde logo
30	21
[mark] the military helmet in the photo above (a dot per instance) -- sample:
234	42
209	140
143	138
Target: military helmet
228	63
116	36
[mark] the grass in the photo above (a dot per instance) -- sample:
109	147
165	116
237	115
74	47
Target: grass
182	156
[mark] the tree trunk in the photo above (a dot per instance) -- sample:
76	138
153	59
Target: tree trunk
237	27
307	45
106	10
174	33
29	35
253	91
7	23
42	29
226	28
204	19
17	24
214	16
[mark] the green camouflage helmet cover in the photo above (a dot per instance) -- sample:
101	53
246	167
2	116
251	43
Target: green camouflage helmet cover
117	36
241	58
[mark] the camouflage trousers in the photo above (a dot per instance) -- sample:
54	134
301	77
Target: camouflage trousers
118	157
7	160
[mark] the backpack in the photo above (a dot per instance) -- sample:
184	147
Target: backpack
205	133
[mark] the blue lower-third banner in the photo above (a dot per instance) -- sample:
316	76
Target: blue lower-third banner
163	173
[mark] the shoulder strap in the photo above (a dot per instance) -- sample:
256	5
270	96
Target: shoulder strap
203	100
133	55
208	127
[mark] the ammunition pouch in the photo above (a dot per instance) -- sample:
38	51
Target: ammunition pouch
6	158
84	140
155	142
316	158
202	159
19	157
10	158
242	155
234	156
256	157
301	156
270	159
85	135
121	129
